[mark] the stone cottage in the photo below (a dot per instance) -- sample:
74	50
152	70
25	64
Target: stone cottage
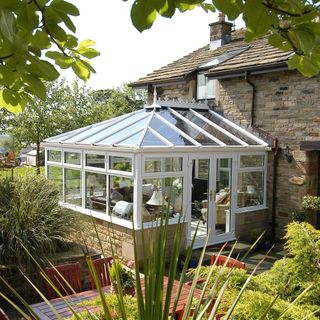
250	84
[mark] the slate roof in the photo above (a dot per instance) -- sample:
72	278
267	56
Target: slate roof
259	55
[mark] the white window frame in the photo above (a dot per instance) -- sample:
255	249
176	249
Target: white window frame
253	169
100	153
208	84
122	173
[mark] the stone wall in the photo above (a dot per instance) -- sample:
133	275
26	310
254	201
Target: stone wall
287	106
117	237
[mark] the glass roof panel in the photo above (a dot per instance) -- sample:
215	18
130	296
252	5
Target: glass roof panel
222	58
114	129
207	127
210	116
174	137
151	140
132	140
186	128
125	132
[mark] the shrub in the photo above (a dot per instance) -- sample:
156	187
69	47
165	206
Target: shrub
291	275
253	304
30	215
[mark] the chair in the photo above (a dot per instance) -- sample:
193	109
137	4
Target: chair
3	316
231	262
102	266
70	273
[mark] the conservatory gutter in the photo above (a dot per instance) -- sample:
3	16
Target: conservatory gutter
136	149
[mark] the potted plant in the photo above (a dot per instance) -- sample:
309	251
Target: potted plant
119	273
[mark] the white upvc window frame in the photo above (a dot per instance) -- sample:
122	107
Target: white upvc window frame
159	175
125	155
210	87
263	169
70	150
96	169
53	149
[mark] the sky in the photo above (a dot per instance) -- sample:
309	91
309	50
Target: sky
127	54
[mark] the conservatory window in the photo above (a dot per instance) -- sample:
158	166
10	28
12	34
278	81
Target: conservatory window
95	191
167	164
73	194
55	174
121	197
161	196
72	158
120	163
54	155
251	181
95	160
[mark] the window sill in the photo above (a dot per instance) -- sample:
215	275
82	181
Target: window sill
250	209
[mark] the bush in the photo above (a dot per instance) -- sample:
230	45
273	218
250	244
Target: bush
30	215
291	275
253	304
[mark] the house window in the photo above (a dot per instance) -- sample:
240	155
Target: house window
95	160
96	191
72	158
167	164
121	197
121	163
54	155
73	193
161	196
55	174
251	181
206	89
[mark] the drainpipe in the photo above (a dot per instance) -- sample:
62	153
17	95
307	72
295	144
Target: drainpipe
274	189
253	100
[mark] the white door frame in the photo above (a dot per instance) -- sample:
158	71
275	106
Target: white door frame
213	238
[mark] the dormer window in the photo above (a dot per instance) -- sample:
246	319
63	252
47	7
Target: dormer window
206	88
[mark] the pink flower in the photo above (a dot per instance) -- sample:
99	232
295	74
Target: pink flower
131	264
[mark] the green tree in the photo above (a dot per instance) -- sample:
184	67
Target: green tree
289	25
30	29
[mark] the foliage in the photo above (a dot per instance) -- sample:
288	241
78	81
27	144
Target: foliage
28	30
289	25
236	277
291	275
311	202
118	272
30	215
253	304
130	305
19	172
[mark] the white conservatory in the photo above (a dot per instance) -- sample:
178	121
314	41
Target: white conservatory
122	170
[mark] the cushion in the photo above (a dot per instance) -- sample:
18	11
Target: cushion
123	209
116	196
221	196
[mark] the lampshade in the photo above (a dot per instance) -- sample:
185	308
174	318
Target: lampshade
156	198
251	189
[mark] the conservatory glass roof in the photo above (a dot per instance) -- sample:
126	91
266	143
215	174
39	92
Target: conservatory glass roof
163	124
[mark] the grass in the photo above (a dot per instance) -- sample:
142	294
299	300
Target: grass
19	171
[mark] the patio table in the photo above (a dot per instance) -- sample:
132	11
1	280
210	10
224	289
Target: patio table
44	312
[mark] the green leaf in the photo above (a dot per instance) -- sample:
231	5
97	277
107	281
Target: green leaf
7	25
166	8
89	52
10	4
57	32
42	69
36	85
143	14
232	8
208	7
12	101
278	41
7	75
27	18
303	64
86	44
65	7
81	70
71	42
61	60
40	40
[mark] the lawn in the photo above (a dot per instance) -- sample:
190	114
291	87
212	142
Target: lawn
19	171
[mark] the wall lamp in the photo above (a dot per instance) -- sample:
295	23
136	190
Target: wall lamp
287	153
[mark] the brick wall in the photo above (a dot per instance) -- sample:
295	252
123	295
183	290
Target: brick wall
120	237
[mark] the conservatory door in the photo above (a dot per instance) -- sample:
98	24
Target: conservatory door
211	185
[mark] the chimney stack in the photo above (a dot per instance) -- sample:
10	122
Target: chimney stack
220	32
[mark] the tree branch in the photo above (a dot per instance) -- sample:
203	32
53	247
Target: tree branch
270	6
